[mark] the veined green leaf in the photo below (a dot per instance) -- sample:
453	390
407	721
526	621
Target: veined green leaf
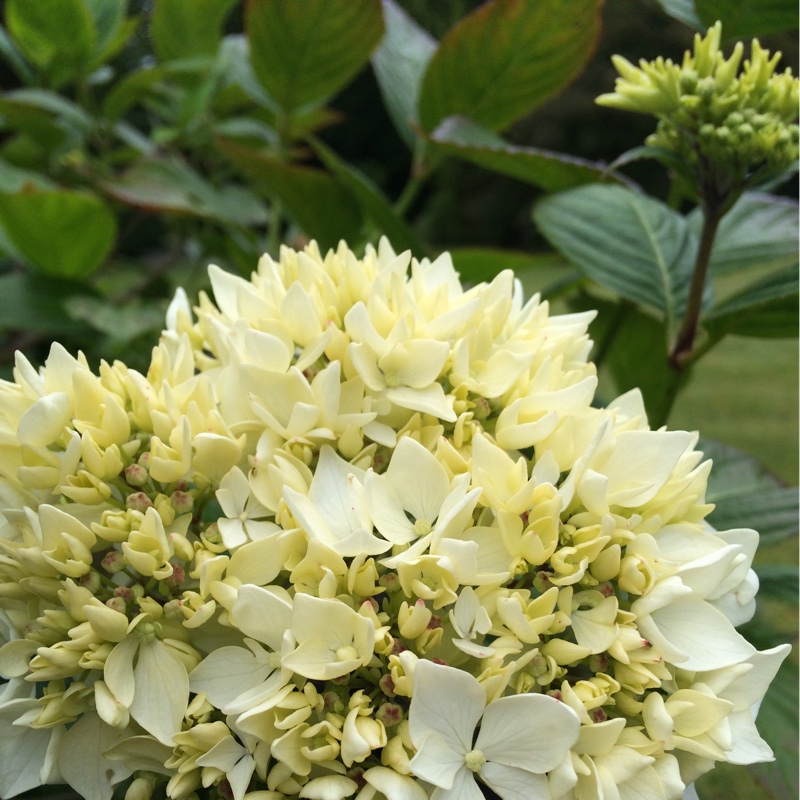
58	36
747	495
175	187
537	270
110	27
12	56
34	302
748	18
634	245
319	205
632	346
462	138
373	202
61	213
187	28
506	58
765	309
304	52
761	230
399	65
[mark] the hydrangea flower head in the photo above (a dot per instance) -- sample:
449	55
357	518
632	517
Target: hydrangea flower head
358	532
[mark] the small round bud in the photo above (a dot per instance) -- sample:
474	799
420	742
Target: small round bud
172	610
390	581
140	789
144	459
482	409
113	562
136	475
541	581
389	714
117	603
91	581
598	662
182	502
138	501
178	576
125	592
386	685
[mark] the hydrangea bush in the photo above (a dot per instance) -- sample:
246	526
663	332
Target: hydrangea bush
360	532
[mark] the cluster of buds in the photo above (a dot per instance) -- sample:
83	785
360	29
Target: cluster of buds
739	126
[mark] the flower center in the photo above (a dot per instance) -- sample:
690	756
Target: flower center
422	527
346	653
475	760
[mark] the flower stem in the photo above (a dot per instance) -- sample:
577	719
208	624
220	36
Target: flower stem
682	349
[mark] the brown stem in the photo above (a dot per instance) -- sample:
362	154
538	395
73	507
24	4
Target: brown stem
682	349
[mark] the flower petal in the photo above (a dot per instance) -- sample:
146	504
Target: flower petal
533	732
446	701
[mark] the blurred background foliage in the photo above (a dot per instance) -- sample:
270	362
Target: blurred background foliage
141	140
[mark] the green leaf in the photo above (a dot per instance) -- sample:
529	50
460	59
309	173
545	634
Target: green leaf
31	302
304	52
631	244
234	69
122	323
377	209
462	138
506	58
399	64
173	187
777	722
476	264
748	18
50	120
80	230
632	347
58	36
759	231
12	56
765	309
187	28
109	19
136	86
683	10
14	179
319	205
778	581
747	495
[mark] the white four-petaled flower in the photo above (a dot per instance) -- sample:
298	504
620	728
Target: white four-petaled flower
519	738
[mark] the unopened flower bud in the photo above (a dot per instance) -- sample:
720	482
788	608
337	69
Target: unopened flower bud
113	562
389	714
138	501
117	604
177	577
386	685
172	610
541	581
125	592
390	581
182	502
136	475
140	789
598	662
91	581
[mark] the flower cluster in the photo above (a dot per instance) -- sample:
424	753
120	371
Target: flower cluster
711	115
361	533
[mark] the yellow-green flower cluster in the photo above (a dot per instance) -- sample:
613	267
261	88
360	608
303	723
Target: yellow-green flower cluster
345	484
711	114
